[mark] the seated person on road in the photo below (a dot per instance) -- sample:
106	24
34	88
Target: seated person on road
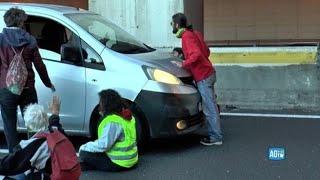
116	146
33	155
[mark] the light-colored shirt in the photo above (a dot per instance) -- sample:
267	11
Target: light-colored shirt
112	132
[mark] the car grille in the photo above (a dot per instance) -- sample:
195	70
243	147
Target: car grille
197	119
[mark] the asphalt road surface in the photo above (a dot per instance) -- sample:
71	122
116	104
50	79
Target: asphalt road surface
244	154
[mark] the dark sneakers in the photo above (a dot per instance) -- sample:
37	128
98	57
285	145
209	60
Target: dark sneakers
209	142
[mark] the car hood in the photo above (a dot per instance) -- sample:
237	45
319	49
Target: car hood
164	61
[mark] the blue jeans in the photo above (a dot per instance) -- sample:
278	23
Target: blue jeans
209	106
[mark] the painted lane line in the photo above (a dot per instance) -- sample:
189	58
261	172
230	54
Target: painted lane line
4	151
272	115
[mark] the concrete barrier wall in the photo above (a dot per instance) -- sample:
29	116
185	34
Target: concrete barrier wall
269	87
284	78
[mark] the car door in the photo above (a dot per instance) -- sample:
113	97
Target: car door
67	75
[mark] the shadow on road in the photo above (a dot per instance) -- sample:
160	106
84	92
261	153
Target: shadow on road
172	145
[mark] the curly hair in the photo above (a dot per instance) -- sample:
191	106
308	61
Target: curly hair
111	102
14	17
36	118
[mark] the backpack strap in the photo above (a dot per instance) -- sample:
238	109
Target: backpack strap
21	51
5	65
16	51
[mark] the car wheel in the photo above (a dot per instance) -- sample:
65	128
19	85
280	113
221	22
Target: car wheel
142	132
94	123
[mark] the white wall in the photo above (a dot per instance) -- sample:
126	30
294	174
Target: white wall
148	20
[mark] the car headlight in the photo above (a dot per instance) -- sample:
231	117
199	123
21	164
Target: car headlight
162	76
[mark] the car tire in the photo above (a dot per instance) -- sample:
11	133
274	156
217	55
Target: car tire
141	127
94	123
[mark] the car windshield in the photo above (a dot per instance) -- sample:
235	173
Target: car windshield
109	34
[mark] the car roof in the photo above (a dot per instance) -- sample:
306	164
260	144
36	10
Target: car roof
38	7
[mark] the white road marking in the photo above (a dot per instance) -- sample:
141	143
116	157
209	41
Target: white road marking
272	115
4	151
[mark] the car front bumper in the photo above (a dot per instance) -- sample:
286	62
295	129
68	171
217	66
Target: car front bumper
164	110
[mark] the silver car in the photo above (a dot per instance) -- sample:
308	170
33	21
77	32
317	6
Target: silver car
85	53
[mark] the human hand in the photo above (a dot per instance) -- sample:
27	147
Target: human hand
54	106
184	65
175	53
177	63
53	89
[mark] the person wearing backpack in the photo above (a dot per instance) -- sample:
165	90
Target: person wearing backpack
18	52
48	153
197	61
116	147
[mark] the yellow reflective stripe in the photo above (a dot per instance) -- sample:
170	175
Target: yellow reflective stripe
127	157
124	153
125	149
127	163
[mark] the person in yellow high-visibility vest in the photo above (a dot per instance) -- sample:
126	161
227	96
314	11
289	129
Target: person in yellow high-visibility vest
116	147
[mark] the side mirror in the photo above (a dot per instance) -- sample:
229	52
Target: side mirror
70	54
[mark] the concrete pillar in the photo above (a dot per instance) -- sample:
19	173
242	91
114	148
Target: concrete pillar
148	20
194	10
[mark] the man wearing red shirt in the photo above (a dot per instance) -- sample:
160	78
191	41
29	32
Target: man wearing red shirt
197	61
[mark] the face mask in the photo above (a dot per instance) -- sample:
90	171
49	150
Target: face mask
180	32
